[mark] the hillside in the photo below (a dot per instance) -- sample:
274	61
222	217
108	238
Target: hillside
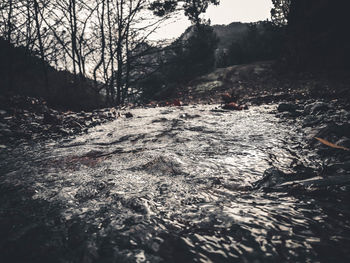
229	33
28	79
264	82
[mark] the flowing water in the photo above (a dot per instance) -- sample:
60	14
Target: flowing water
169	185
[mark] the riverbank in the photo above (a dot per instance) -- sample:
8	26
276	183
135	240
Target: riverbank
265	82
26	119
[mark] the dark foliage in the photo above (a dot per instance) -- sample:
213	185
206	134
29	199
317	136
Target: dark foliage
262	41
317	32
192	8
196	56
25	77
192	55
279	14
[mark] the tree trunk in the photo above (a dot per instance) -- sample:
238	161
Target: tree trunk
41	46
111	55
71	8
9	40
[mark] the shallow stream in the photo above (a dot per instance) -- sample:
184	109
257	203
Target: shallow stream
169	184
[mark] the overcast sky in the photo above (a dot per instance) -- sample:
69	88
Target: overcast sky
227	12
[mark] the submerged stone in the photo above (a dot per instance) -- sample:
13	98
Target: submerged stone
271	177
316	107
287	107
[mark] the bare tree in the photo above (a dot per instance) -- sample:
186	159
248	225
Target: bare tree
99	39
41	46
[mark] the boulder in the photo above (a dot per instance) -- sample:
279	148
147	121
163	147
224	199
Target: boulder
271	177
51	119
316	108
311	120
287	107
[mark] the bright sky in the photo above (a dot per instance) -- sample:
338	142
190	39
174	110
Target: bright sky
227	12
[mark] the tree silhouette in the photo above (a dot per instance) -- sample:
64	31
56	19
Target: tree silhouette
192	8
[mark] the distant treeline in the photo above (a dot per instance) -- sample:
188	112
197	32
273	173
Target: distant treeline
260	41
94	52
199	50
317	33
191	55
103	40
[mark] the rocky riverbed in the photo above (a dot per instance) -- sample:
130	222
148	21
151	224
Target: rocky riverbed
27	120
178	184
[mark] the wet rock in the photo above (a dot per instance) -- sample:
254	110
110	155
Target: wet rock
30	118
51	119
64	131
311	120
128	115
135	204
338	168
316	107
86	192
165	166
345	142
334	130
287	107
271	177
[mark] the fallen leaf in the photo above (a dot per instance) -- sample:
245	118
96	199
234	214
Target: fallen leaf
331	144
177	102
